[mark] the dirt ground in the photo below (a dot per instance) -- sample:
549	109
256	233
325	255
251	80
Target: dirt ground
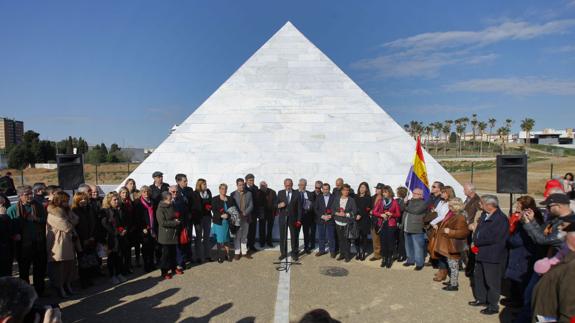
538	173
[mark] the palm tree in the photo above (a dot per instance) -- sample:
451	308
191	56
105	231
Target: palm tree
460	126
464	122
446	131
474	122
492	122
508	123
503	133
414	128
527	125
428	131
481	126
437	126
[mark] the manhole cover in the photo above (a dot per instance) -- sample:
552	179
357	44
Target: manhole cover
333	271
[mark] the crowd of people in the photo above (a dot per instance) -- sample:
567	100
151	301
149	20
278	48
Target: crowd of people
170	227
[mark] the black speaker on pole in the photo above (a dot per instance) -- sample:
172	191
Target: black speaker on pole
70	171
512	174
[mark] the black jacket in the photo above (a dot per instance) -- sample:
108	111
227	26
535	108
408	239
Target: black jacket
293	209
218	207
309	215
490	237
200	206
320	208
156	193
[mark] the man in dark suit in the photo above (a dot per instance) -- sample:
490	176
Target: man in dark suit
289	213
490	238
325	222
268	198
308	215
257	214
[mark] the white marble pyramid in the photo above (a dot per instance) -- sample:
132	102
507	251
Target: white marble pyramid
288	111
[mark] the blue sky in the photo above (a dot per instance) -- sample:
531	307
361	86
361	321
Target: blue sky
126	71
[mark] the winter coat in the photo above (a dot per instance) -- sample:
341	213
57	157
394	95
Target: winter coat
490	237
451	244
61	236
521	255
554	294
415	211
168	226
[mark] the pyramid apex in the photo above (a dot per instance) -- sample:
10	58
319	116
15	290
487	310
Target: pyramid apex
288	26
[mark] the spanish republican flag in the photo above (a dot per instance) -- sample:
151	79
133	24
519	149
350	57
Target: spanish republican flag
417	177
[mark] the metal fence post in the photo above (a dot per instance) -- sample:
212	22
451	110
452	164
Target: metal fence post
551	175
472	168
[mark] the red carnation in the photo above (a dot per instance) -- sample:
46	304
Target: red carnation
121	229
341	209
298	224
367	209
328	211
177	214
474	250
208	207
222	210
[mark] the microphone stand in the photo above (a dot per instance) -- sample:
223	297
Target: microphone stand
285	264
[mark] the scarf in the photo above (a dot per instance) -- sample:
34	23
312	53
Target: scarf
386	203
150	209
127	203
514	221
448	216
23	213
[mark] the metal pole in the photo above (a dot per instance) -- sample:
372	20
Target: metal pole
22	176
96	174
551	175
472	166
510	203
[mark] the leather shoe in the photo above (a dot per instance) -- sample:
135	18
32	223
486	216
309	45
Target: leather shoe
333	255
249	256
341	257
489	311
451	288
282	257
374	259
477	303
295	257
237	257
418	268
407	264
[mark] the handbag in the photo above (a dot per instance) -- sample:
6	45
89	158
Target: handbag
184	236
352	230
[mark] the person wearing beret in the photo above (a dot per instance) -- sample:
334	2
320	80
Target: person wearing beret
157	188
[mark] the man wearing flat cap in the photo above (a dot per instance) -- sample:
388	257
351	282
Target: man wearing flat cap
157	188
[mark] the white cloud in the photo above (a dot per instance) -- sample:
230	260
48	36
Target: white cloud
515	86
562	49
428	65
427	54
505	31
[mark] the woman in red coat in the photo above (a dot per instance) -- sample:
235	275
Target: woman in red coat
388	213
